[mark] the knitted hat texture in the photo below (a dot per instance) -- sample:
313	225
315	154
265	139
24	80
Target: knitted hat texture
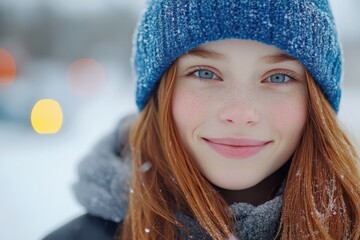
304	29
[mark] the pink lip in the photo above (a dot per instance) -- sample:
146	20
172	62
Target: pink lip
236	148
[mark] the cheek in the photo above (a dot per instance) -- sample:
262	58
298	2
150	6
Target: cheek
290	116
188	109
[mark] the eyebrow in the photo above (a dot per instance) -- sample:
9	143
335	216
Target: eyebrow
277	58
274	58
199	52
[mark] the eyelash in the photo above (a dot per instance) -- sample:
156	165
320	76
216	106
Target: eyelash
286	73
273	72
207	68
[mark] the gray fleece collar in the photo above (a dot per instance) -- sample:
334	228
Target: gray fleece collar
103	187
103	190
251	223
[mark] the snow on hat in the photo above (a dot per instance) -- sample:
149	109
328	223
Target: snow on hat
304	29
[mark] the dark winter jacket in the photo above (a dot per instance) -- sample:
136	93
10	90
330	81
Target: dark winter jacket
103	190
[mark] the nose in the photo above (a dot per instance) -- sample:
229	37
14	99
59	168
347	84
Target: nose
240	111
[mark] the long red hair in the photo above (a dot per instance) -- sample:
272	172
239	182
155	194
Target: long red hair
321	192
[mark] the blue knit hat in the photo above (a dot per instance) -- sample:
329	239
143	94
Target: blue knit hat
304	29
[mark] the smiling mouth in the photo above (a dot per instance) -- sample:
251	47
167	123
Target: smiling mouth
236	148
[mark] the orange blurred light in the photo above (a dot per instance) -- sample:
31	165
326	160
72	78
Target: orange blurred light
7	67
86	77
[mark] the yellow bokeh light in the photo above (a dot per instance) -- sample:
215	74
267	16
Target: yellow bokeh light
46	116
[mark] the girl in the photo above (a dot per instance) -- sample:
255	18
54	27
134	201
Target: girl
237	136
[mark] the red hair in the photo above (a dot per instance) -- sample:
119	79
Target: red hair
322	193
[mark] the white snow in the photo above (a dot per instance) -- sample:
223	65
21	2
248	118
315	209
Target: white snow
37	170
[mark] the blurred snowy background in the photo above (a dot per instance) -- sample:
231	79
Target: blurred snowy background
46	39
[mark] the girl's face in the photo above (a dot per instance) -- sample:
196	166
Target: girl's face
239	107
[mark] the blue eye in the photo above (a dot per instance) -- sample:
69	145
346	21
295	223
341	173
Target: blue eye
205	74
279	78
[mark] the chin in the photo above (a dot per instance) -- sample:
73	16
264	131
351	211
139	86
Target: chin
235	184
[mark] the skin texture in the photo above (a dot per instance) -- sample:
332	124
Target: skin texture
230	89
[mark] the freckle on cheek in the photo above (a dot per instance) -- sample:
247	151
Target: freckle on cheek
191	104
291	115
189	108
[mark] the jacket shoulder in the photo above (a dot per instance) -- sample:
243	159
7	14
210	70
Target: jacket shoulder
86	227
